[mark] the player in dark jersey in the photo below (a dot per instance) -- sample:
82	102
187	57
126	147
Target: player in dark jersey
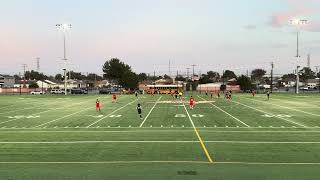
268	94
211	94
176	94
139	108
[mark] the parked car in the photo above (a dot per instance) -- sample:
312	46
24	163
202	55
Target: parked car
37	92
78	91
304	88
108	90
56	91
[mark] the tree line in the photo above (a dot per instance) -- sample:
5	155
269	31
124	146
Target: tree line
117	72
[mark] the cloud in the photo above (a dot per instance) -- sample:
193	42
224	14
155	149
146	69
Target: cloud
296	9
279	45
250	27
313	27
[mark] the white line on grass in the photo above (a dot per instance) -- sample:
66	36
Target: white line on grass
101	162
151	162
199	137
163	130
146	141
63	117
150	111
34	106
67	106
227	113
270	114
286	107
23	109
7	106
46	111
270	163
111	113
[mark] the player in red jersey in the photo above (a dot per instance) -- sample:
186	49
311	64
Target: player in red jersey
253	93
114	98
191	102
98	105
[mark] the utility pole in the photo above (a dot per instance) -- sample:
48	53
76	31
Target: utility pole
154	83
193	65
20	83
192	78
169	68
271	83
188	74
308	61
24	74
317	69
38	64
223	77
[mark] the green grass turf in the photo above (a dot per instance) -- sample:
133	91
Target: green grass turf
63	137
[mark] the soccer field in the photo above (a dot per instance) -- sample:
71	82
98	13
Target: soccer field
64	137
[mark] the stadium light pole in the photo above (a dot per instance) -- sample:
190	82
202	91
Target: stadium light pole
318	83
297	80
64	28
298	23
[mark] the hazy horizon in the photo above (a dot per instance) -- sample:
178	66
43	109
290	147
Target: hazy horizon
214	35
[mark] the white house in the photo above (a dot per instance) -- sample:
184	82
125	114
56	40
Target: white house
46	84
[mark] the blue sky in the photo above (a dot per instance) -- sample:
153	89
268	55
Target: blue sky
231	34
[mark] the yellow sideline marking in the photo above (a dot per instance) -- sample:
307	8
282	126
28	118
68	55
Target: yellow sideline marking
199	137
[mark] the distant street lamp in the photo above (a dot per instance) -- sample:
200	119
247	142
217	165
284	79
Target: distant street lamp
298	23
64	28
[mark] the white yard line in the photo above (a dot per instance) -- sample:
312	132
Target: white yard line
63	117
151	162
34	106
25	108
293	102
7	106
286	107
269	163
111	113
166	130
100	162
146	141
46	111
227	113
299	124
71	105
150	111
159	128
